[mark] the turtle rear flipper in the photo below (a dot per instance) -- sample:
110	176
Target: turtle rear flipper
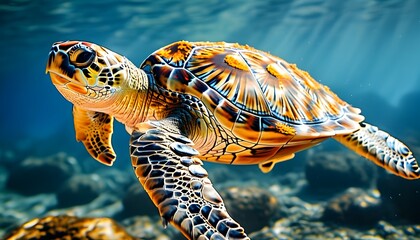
383	149
164	163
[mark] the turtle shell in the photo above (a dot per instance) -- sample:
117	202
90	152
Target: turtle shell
258	97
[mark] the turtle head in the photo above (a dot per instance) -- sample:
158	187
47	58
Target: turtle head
91	76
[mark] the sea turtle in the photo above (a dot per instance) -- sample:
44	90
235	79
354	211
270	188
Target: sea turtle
219	102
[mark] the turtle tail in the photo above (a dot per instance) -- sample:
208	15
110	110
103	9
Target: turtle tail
383	149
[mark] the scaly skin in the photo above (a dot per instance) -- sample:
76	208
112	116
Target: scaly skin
162	157
166	166
382	149
218	102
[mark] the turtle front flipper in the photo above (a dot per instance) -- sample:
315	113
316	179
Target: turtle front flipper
94	130
164	163
383	149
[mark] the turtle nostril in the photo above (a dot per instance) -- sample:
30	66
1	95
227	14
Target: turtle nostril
54	48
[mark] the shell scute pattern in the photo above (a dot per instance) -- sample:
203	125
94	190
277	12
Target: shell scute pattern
238	82
175	54
228	79
207	101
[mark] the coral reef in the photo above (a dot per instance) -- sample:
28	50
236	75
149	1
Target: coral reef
337	196
67	227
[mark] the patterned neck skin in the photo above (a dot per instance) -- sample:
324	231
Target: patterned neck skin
96	79
129	104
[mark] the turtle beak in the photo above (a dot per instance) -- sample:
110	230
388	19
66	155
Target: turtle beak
61	71
58	58
50	60
51	56
55	61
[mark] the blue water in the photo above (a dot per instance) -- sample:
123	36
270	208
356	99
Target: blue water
367	51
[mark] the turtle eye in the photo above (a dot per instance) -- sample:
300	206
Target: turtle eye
82	57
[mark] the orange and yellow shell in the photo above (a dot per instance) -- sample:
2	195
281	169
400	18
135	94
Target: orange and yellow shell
258	97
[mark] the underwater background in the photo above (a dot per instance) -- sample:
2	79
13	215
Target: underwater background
366	51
